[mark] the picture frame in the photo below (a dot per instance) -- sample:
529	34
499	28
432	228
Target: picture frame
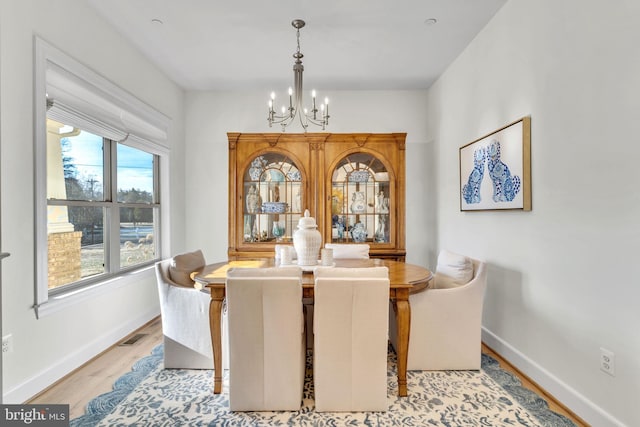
495	170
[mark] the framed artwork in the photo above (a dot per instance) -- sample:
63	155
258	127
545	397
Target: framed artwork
495	170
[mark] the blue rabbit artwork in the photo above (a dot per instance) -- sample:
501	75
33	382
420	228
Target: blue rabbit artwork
505	185
471	190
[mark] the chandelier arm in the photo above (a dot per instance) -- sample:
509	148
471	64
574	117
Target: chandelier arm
318	122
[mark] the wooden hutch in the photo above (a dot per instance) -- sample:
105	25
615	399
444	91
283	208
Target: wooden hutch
348	181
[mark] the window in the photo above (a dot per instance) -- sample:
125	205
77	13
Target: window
101	182
85	197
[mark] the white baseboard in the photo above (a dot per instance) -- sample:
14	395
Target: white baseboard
561	391
43	379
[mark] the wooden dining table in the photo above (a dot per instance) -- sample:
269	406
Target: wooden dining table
404	279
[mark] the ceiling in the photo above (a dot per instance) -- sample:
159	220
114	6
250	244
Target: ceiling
347	45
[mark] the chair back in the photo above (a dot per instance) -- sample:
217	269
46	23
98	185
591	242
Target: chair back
162	276
349	250
350	338
266	338
471	292
181	266
162	273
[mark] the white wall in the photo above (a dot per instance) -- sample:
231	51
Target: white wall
210	115
48	348
562	279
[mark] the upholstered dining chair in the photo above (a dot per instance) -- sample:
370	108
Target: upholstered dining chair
349	250
340	251
350	338
446	318
185	314
266	338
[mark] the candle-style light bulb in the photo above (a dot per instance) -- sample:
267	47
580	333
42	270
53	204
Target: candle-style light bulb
313	99
273	95
290	91
283	110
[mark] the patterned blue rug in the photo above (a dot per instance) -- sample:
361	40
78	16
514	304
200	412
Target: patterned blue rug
152	396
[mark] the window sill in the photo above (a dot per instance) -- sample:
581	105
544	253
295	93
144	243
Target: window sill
60	302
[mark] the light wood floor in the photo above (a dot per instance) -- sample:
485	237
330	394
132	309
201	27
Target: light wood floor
98	375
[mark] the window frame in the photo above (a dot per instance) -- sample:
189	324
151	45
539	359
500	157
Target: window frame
82	97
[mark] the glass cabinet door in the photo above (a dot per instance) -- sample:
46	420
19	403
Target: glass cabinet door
360	197
272	198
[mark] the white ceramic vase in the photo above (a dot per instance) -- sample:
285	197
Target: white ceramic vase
358	204
307	240
359	233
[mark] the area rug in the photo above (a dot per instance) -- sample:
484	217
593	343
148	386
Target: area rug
152	396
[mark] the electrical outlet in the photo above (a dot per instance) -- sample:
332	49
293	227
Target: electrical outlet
607	361
7	344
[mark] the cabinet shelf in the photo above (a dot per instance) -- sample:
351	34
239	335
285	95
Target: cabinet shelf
276	214
360	214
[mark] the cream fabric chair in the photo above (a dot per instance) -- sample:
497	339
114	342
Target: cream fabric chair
266	338
446	318
185	315
350	339
340	251
349	250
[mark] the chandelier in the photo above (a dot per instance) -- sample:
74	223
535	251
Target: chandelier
314	116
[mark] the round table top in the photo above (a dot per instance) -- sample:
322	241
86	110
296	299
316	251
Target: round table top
401	274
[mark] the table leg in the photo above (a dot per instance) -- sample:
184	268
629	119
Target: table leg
215	325
403	319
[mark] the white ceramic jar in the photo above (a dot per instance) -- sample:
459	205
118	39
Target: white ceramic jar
307	240
359	233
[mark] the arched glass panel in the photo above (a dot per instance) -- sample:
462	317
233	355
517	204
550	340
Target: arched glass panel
360	200
273	198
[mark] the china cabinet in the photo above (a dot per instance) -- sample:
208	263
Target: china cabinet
353	184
